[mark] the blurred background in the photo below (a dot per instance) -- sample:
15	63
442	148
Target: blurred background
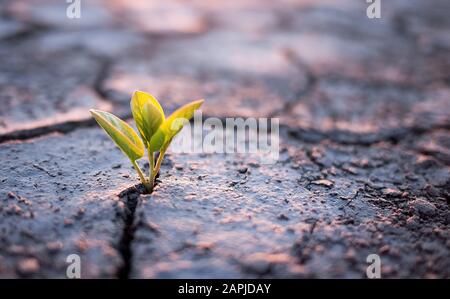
319	65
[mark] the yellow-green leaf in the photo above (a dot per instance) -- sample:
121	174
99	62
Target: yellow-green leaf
158	140
173	124
147	113
121	133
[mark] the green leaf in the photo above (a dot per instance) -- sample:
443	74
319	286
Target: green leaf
147	113
173	124
158	140
121	133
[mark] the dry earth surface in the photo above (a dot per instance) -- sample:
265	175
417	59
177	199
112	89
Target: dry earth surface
364	107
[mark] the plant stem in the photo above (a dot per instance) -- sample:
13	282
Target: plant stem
159	161
144	182
151	160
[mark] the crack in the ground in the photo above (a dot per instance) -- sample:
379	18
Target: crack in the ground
69	126
30	30
65	127
130	197
394	135
299	248
310	84
310	135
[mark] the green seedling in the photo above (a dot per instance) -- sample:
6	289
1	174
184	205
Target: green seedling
155	130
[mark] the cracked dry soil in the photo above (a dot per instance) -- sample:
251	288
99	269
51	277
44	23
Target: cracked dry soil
364	154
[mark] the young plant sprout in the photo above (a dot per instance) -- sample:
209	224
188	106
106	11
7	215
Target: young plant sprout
155	129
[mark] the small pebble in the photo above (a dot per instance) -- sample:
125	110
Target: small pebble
54	246
422	207
391	192
242	170
254	164
28	266
283	217
326	183
384	249
68	222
